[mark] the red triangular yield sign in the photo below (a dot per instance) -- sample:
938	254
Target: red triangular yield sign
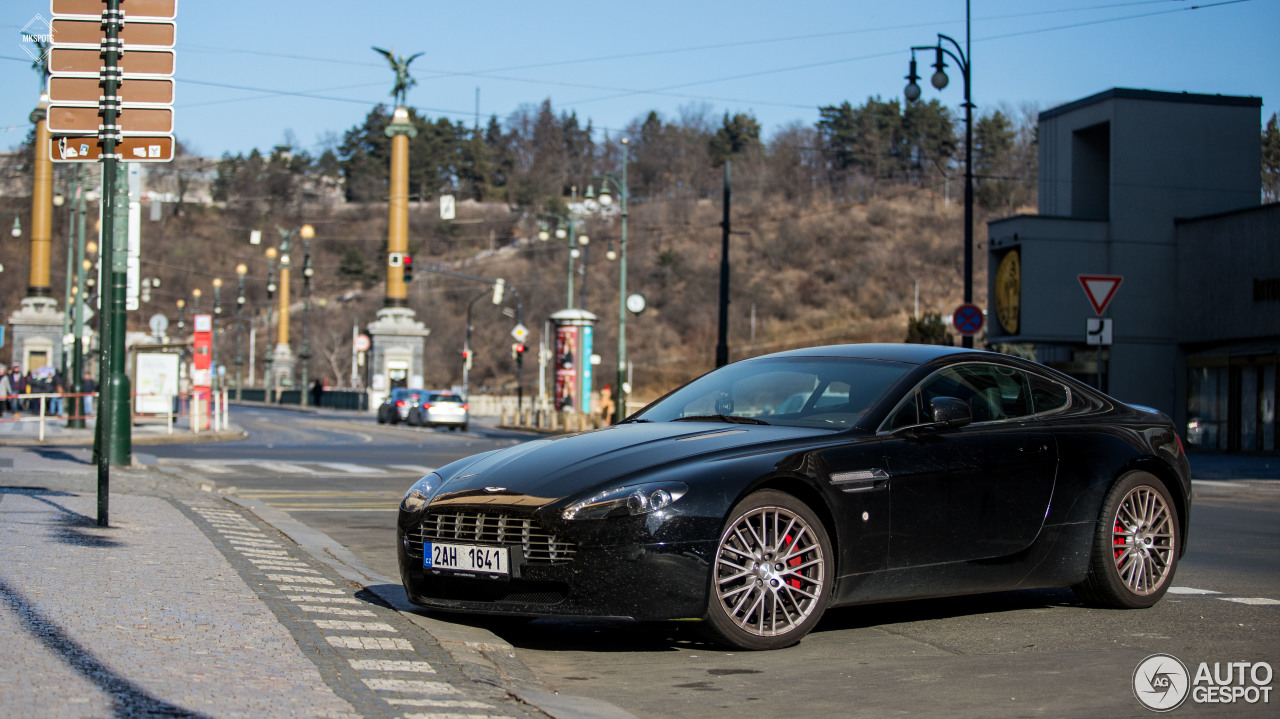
1100	289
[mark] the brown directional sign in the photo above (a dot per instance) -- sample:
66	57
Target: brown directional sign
88	90
132	120
84	31
88	62
136	148
158	9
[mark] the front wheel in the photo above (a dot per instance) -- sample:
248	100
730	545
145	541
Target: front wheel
1135	547
773	572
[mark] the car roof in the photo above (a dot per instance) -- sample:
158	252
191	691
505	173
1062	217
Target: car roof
908	353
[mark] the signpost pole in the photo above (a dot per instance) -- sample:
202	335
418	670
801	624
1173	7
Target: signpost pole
106	443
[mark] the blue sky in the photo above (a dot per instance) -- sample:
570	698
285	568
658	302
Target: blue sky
239	61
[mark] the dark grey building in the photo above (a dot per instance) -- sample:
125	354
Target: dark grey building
1163	190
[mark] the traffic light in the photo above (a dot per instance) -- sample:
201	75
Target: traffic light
519	352
408	268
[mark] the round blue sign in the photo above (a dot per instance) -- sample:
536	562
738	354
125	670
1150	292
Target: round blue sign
967	320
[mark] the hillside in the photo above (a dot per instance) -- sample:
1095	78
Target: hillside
802	274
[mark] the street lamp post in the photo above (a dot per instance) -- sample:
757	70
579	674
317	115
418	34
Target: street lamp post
304	354
939	80
575	239
466	347
606	199
268	380
213	334
241	270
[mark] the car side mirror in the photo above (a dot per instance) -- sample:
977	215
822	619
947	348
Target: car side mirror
950	412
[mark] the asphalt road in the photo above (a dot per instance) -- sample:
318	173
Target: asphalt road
1005	655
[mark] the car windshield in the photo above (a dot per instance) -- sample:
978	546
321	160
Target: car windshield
824	392
439	397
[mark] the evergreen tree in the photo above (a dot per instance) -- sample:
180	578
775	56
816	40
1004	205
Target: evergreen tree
1271	161
736	136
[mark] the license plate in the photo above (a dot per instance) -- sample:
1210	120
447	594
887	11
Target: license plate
465	557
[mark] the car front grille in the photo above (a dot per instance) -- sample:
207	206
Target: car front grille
540	546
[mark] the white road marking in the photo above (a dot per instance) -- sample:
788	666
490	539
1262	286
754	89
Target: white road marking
210	468
285	468
336	611
321	600
317	590
1191	590
417	686
386	643
415	468
1254	601
392	665
354	626
294	579
442	704
351	468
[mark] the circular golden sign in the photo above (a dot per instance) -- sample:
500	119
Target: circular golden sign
1008	292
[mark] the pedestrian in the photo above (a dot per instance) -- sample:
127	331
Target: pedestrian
59	388
87	388
317	392
8	392
15	385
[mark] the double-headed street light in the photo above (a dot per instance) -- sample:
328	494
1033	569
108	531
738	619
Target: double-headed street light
241	270
307	272
268	381
606	199
213	334
940	80
566	226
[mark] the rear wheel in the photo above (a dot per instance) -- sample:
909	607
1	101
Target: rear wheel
1136	546
772	575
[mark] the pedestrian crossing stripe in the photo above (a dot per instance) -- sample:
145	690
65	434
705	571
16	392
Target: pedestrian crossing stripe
351	468
231	466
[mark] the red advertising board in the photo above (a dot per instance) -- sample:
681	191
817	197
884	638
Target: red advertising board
201	376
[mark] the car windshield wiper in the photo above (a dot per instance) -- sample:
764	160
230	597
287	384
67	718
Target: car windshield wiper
731	419
636	421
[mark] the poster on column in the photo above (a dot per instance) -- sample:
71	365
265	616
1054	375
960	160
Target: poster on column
566	372
586	369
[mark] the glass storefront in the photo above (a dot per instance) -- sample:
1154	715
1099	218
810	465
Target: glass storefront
1231	403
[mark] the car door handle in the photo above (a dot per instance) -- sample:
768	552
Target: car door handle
862	480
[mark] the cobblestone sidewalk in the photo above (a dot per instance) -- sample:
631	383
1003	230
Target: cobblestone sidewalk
192	606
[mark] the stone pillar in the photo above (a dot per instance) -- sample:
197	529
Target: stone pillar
398	338
37	325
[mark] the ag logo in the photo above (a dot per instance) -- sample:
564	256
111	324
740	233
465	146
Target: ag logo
1161	682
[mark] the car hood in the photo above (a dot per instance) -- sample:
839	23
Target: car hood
540	472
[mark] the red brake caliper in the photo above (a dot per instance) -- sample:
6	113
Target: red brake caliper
1119	541
793	562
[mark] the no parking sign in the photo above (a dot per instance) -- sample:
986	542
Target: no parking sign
967	319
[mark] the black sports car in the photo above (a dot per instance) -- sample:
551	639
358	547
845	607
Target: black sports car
756	496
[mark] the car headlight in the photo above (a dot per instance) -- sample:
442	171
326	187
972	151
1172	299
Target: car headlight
421	493
623	501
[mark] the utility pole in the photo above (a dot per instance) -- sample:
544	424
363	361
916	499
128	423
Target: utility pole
722	343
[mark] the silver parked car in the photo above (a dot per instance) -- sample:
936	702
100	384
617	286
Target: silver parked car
441	409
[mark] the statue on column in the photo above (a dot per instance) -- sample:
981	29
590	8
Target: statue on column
403	80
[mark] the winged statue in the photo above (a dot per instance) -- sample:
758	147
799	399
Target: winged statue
401	66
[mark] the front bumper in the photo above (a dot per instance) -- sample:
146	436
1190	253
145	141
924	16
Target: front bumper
605	577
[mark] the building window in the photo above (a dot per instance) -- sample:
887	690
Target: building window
1266	290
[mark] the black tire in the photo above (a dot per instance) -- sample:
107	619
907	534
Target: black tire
1135	547
464	427
772	575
